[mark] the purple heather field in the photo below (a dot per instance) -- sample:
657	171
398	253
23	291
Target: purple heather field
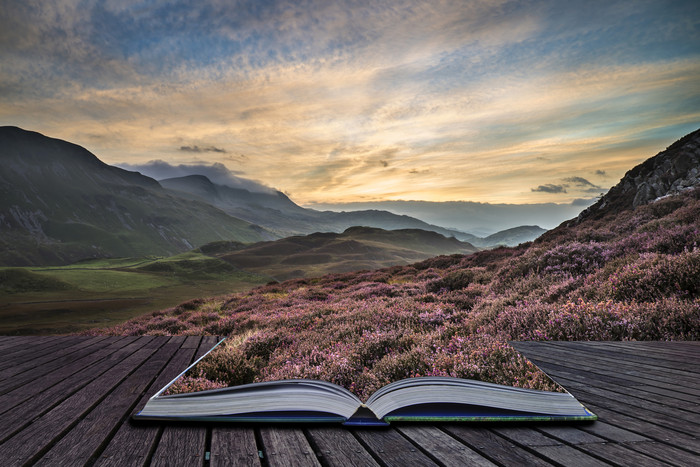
626	275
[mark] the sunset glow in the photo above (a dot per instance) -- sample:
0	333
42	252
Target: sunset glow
499	102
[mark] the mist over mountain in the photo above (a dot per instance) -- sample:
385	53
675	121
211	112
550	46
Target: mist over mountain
276	212
59	203
480	219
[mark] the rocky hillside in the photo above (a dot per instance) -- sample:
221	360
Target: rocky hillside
59	203
670	172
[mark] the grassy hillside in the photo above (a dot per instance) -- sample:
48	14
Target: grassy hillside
629	274
358	248
60	204
109	291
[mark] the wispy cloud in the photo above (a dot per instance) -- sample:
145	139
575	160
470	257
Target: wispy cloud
549	188
332	101
196	148
218	173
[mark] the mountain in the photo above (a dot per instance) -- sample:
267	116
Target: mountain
276	212
511	237
357	248
479	219
59	203
670	172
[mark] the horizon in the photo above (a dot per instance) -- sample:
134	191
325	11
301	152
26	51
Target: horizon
507	103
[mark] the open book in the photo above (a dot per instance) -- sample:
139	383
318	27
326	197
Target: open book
429	398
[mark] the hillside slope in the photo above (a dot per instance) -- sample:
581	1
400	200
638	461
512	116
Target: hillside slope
629	274
358	248
59	203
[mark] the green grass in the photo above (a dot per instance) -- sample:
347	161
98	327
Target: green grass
105	292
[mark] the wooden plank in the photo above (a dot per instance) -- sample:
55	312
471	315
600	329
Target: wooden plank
621	455
85	439
233	446
650	357
180	446
683	420
284	446
493	447
570	434
32	351
47	398
134	441
61	372
10	343
392	448
337	447
442	447
29	444
196	435
609	367
550	448
37	365
642	430
665	453
598	376
31	376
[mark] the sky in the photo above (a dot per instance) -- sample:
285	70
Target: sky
356	101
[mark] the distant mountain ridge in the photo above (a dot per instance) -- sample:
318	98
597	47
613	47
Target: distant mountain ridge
357	248
276	212
59	203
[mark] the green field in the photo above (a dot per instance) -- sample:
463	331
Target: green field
96	293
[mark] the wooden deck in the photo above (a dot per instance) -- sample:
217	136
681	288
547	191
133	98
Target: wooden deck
67	401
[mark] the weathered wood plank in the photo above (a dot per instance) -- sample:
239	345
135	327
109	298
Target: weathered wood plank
180	446
233	446
134	441
644	430
621	455
493	447
196	435
570	434
550	448
40	343
29	444
38	365
284	446
392	448
630	354
442	447
34	350
60	372
88	435
337	447
10	343
30	377
40	398
665	453
552	355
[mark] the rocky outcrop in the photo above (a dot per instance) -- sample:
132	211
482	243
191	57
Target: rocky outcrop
670	172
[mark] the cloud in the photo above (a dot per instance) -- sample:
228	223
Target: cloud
205	149
580	181
218	173
494	96
600	172
549	188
